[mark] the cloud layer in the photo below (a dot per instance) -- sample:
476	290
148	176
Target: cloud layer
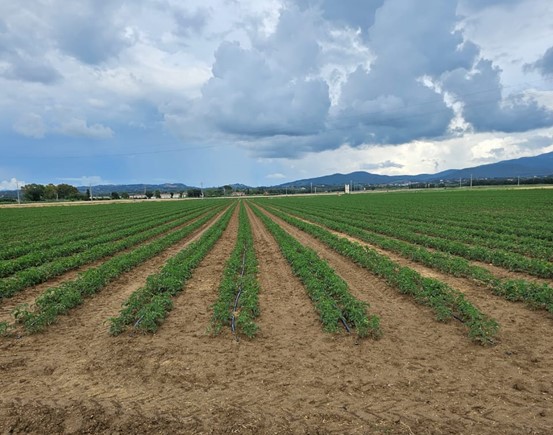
270	79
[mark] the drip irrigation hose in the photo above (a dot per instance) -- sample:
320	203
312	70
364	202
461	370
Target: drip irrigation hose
233	318
345	324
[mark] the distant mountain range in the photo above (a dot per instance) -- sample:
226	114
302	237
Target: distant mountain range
524	167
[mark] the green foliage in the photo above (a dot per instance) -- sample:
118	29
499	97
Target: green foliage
240	275
4	328
66	191
439	231
329	293
59	300
80	224
446	302
115	195
33	192
148	306
535	294
52	263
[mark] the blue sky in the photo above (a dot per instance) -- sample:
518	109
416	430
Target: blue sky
266	91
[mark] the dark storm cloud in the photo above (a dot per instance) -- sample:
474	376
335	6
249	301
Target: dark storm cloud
90	32
30	70
389	103
24	56
357	14
537	142
543	65
249	96
271	97
265	92
484	106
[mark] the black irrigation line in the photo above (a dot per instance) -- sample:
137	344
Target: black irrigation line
345	324
233	319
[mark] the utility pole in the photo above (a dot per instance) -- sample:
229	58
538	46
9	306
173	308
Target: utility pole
202	188
90	190
18	198
311	187
471	181
518	184
460	181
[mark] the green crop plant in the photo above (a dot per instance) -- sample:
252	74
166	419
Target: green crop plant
58	300
446	302
148	306
237	305
36	275
534	294
329	293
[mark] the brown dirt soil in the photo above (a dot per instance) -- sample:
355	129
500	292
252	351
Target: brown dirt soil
421	377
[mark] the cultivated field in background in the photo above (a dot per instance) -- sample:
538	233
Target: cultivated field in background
407	312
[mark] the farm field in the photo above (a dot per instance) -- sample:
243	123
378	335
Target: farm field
392	313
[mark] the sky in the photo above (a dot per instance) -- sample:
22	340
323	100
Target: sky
263	92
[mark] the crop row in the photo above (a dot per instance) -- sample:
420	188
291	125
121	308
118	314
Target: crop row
237	305
59	300
478	210
35	224
36	275
445	301
523	245
511	261
148	306
534	294
38	257
329	292
116	222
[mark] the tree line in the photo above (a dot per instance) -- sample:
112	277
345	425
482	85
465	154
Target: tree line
50	192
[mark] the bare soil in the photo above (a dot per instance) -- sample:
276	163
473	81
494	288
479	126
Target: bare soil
421	377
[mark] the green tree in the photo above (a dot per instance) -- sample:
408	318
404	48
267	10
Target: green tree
66	191
157	194
115	195
149	194
125	195
194	193
172	194
33	192
50	191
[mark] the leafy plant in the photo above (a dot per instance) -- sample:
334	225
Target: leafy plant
237	305
148	306
329	293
